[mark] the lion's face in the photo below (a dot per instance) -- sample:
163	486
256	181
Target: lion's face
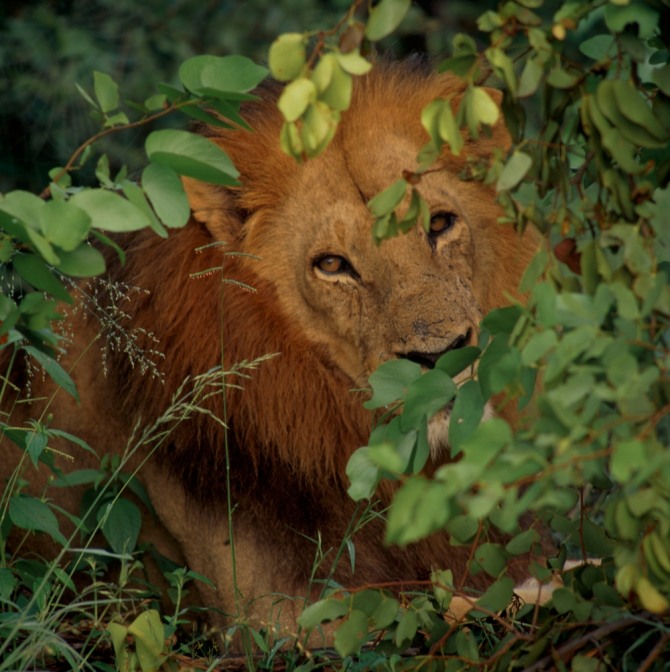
415	296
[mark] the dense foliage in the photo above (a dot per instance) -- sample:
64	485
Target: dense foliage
587	100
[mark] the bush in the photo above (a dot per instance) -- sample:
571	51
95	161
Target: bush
587	100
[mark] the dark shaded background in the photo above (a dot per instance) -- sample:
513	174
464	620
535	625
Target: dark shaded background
48	45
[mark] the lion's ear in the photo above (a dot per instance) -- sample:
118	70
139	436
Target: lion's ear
214	207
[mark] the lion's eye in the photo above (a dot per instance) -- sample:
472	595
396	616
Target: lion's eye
333	264
440	223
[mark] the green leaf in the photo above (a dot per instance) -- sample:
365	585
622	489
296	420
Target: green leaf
30	513
287	56
466	414
34	271
426	396
121	523
352	633
625	459
598	47
109	211
443	581
386	201
84	262
487	442
406	628
7	583
385	613
562	79
618	17
514	171
191	155
531	77
363	474
353	63
106	91
632	106
491	558
482	109
499	366
323	611
390	381
55	371
166	194
24	206
149	635
64	225
496	598
227	77
522	542
419	508
333	83
296	98
385	17
36	443
455	361
538	346
137	197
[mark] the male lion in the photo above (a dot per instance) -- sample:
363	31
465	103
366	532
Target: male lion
331	303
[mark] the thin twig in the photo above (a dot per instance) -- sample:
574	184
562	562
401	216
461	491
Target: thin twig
574	645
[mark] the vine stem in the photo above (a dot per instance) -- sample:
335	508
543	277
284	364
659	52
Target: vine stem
69	166
574	645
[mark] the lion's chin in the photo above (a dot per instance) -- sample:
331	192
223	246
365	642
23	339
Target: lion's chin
438	432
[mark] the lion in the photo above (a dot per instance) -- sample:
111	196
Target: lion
331	305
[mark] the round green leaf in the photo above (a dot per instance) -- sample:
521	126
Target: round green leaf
121	522
353	63
109	211
385	17
287	56
106	91
24	206
482	107
166	193
491	558
385	202
385	613
149	634
363	474
514	171
64	225
296	98
322	611
337	94
227	77
390	381
352	633
496	598
466	414
33	269
84	262
406	629
191	155
455	361
426	396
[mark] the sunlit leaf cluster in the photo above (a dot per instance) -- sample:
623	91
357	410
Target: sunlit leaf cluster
319	72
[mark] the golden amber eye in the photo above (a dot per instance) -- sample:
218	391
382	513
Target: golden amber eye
441	222
332	264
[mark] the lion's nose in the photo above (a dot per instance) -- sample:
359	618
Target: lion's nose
428	359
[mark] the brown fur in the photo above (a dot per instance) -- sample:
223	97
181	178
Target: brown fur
294	424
